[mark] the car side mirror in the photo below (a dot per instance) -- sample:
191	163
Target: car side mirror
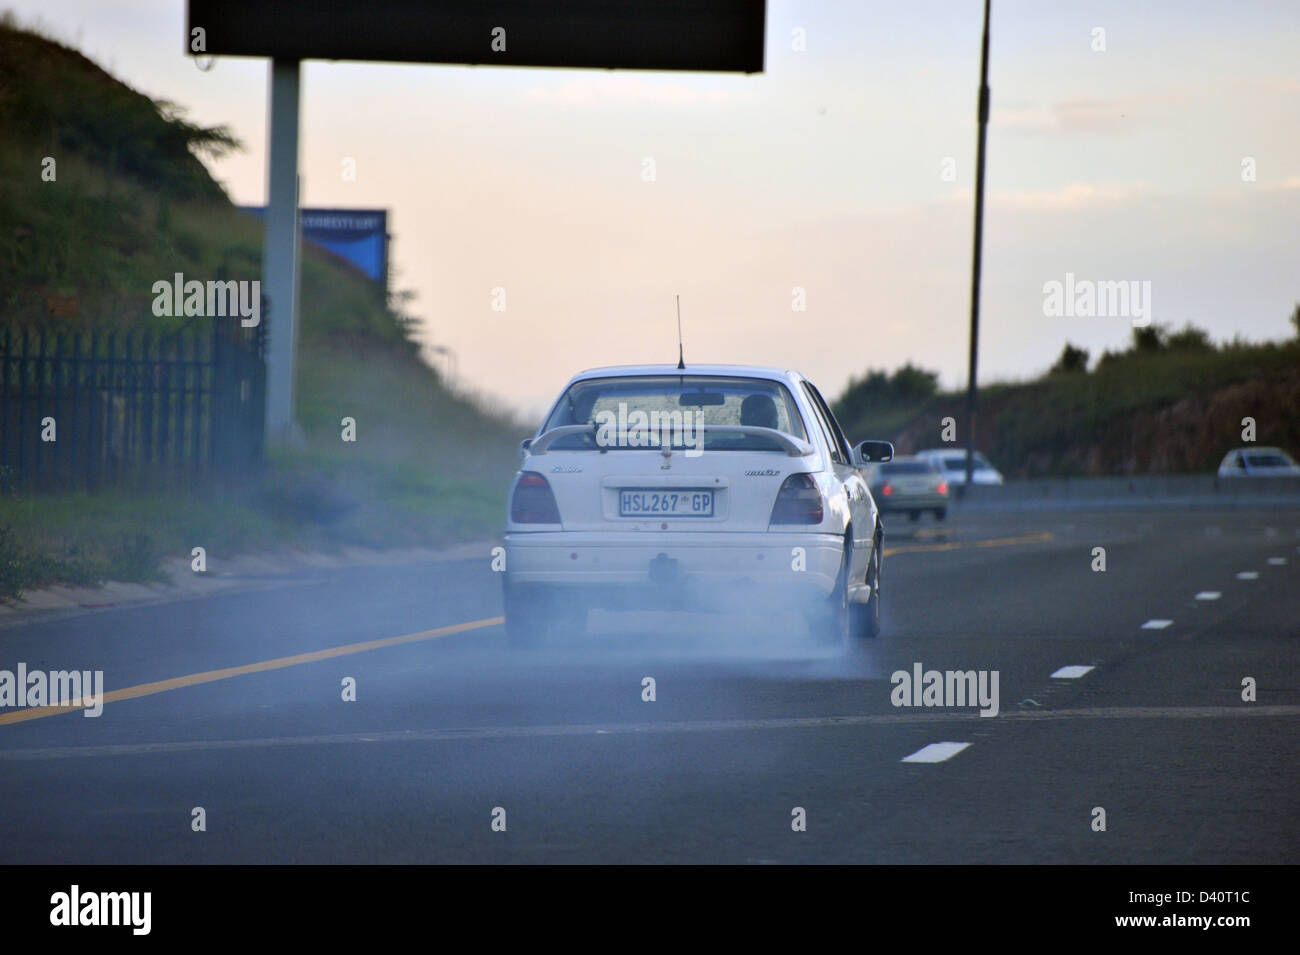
873	452
524	445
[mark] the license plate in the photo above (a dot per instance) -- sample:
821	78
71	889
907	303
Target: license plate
684	502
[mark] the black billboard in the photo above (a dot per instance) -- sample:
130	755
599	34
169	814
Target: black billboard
707	35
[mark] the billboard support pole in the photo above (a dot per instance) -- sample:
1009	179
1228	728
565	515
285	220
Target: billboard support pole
280	251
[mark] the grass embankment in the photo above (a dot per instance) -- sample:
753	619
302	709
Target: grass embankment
1171	403
131	204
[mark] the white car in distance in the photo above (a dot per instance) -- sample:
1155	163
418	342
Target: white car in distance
951	463
1258	462
708	487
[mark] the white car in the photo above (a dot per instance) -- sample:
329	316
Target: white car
701	488
951	463
1258	462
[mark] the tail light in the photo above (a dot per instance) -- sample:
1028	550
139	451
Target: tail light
532	501
887	490
943	487
798	502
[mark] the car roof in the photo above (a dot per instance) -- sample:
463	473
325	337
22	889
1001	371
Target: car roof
721	371
1264	450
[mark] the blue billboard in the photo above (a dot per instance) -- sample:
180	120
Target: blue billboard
358	236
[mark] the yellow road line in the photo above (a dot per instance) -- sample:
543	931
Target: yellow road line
957	545
209	676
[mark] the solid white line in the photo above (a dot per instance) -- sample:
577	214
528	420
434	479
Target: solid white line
1208	595
935	753
1277	561
1072	672
1248	575
1156	624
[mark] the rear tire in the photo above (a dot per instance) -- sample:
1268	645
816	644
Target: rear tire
941	514
866	617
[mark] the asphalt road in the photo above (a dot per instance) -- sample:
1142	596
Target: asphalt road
750	719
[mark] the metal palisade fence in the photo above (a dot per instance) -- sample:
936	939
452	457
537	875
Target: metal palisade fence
89	408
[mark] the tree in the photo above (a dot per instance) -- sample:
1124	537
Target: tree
1072	360
1150	338
1295	319
1190	339
912	385
878	391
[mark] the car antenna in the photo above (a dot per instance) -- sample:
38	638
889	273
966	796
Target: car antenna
681	354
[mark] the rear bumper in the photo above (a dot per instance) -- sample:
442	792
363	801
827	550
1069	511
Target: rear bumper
693	568
911	502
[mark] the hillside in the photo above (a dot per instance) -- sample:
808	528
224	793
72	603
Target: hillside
1171	403
131	203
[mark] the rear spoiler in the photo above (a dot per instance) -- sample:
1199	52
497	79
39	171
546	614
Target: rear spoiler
544	440
792	446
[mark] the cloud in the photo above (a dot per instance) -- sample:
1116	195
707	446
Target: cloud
1069	116
1094	116
1075	195
624	90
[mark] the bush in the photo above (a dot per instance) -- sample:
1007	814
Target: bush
19	568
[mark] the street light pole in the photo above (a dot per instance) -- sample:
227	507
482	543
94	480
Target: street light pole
979	248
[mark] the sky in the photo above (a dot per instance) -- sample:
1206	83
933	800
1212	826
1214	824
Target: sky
844	170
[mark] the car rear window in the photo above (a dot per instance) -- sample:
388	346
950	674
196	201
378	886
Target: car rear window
656	411
959	464
1267	461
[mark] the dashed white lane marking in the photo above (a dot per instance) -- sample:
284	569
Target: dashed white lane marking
476	734
1248	575
935	753
1156	624
1277	561
1208	595
1070	673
